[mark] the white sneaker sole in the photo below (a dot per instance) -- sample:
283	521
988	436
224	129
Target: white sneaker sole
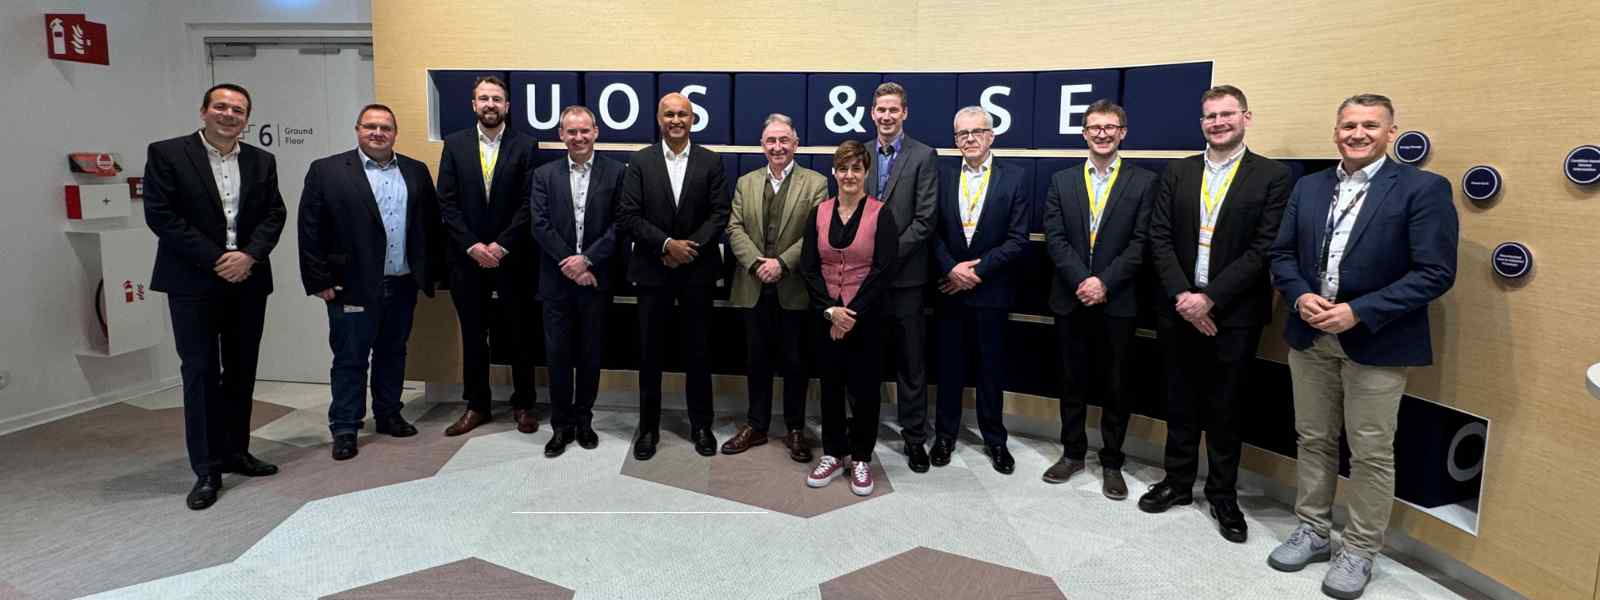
816	483
861	491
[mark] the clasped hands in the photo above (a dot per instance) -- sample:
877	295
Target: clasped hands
1091	291
233	266
843	320
961	278
769	270
677	253
487	255
1325	315
576	268
1196	309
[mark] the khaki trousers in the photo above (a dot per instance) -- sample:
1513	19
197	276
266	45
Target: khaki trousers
1334	393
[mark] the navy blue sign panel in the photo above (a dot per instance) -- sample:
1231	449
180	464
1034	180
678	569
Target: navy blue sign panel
1163	104
1481	183
1583	165
932	100
761	94
537	100
839	107
711	97
1511	260
1061	99
1044	170
625	103
1009	99
1412	147
455	98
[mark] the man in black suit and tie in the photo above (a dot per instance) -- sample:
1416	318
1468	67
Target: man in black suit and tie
1211	224
903	173
483	194
367	219
214	206
1096	219
574	227
983	229
673	208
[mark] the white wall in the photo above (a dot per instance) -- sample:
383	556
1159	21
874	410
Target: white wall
150	91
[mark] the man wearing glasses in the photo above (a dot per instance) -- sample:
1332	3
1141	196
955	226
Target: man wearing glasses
1096	220
983	228
1211	223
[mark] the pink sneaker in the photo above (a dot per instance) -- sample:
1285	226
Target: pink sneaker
828	469
861	478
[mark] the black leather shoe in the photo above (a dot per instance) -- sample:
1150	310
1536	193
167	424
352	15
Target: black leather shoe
644	445
1000	457
558	442
704	442
344	446
942	448
1163	496
204	493
396	426
587	438
1230	521
917	457
249	466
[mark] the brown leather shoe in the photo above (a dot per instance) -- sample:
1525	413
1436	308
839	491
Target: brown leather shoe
527	422
745	439
1112	484
469	421
1063	470
799	448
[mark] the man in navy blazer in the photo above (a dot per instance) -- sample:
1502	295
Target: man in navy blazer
483	199
214	206
1096	219
574	224
674	209
982	230
367	219
1363	249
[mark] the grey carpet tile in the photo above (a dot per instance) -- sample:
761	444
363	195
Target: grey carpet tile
928	573
467	578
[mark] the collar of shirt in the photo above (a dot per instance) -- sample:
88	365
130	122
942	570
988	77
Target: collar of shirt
787	169
483	138
894	147
213	149
1116	163
1365	174
675	156
1216	166
579	167
368	161
988	161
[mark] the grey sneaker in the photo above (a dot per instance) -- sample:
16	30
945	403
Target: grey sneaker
1347	577
1302	548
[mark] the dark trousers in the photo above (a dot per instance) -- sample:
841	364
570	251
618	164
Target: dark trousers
694	320
906	325
218	337
1204	377
774	337
1094	356
574	339
377	333
971	342
855	365
494	308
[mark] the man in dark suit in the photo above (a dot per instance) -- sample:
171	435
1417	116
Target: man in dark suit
982	230
903	173
573	224
1096	221
1363	249
367	219
483	192
674	208
1211	223
214	206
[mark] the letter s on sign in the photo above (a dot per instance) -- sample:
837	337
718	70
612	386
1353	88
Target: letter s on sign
1002	117
701	119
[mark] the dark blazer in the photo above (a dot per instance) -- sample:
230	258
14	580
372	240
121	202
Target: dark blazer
468	217
1119	249
183	208
1401	255
1246	225
1000	238
647	215
341	233
911	195
553	228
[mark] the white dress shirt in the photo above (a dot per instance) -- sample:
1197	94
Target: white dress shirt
225	170
976	192
1352	188
677	167
488	153
1216	176
776	181
578	178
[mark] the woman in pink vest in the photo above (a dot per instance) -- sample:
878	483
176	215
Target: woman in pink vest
848	253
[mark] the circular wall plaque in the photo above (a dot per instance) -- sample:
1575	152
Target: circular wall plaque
1511	260
1412	147
1583	165
1481	182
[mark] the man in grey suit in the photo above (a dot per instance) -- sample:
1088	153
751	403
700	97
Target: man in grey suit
904	175
765	229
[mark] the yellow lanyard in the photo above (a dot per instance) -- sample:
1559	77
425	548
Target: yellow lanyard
1213	204
1097	203
972	199
487	163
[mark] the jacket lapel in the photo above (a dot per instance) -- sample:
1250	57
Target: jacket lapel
358	177
1246	169
202	163
566	202
1376	193
590	212
506	134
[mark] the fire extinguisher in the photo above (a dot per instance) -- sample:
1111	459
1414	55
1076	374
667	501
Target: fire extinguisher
127	290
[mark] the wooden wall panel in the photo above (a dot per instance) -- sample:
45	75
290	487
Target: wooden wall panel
1511	85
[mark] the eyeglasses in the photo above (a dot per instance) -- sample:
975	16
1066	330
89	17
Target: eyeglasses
1221	116
778	140
1103	129
972	133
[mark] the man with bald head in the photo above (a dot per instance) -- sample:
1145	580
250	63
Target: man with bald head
673	208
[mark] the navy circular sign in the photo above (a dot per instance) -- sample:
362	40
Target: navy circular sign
1412	147
1583	165
1481	183
1511	260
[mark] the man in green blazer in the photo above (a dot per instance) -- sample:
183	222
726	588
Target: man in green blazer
765	228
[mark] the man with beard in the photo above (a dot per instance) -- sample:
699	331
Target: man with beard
483	198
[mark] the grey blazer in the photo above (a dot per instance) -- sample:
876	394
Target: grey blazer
912	195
